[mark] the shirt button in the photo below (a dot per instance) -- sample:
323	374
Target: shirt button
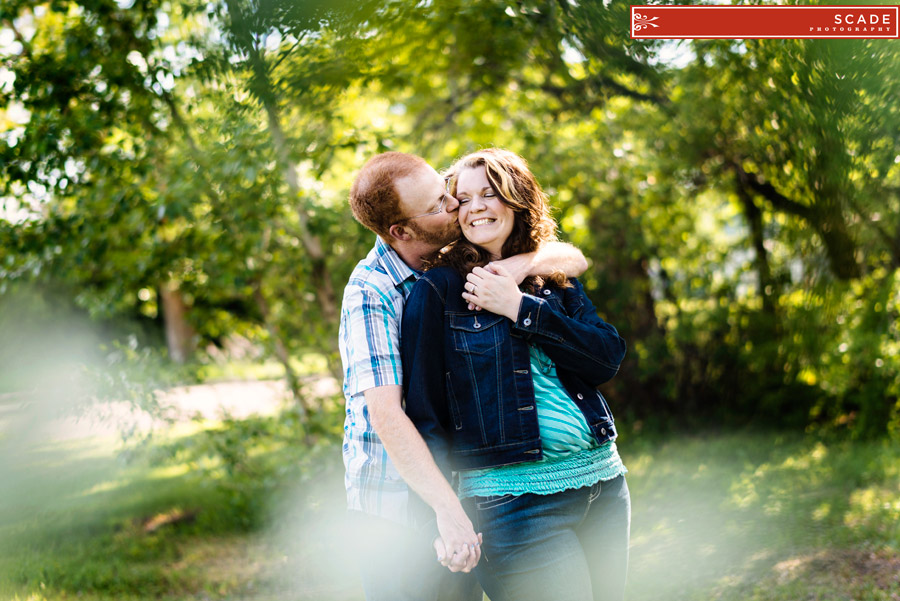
477	325
603	431
546	293
526	322
580	396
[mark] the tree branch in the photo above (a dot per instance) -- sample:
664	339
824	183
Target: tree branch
827	222
590	93
770	193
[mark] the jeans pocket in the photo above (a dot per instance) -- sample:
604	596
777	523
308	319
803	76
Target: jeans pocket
485	503
596	489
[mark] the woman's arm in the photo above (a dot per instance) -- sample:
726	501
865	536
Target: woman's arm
577	339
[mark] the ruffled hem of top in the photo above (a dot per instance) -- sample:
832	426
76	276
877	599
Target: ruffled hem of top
578	470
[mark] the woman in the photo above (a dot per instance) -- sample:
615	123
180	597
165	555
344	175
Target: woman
507	396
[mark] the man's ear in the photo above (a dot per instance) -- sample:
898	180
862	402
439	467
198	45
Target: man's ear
398	232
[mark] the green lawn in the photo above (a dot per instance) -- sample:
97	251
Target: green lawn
731	516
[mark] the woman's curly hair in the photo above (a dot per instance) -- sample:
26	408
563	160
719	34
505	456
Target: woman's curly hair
512	180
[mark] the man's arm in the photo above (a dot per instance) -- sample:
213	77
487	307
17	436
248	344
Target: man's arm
415	464
553	256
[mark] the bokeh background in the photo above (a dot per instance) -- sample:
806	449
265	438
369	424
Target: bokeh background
175	238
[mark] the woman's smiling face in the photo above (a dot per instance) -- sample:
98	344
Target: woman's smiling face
484	218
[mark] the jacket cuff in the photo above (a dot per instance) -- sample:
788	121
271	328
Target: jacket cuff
529	314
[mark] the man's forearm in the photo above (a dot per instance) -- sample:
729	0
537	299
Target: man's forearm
411	457
553	256
407	449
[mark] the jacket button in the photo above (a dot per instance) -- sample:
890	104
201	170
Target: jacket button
546	293
580	396
603	431
477	325
526	322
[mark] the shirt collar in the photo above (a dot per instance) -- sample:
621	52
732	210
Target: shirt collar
394	266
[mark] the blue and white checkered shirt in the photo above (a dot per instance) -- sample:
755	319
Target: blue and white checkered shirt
370	351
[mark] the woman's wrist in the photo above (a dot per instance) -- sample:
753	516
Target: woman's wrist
514	307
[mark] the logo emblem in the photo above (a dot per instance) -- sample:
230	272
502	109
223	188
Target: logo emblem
643	21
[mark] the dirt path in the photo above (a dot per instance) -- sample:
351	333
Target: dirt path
212	401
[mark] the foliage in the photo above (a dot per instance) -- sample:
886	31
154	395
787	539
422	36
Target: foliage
738	200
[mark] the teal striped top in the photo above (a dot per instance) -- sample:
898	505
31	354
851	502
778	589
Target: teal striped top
572	458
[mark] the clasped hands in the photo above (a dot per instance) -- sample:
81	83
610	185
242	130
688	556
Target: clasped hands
463	558
458	548
493	289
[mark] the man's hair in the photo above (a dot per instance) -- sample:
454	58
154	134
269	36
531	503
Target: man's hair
373	197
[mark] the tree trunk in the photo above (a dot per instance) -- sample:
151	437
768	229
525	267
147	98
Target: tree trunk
324	290
763	271
180	335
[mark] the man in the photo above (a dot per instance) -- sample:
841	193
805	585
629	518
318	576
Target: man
404	201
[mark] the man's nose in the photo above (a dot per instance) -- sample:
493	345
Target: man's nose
452	204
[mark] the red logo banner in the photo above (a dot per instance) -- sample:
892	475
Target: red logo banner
746	22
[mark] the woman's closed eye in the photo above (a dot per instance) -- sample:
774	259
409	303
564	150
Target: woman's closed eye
465	200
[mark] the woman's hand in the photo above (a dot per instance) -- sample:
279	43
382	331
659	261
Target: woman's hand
493	289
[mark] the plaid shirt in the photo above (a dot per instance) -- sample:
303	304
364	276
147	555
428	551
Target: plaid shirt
370	351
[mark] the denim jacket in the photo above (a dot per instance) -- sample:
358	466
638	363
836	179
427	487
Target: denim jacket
467	374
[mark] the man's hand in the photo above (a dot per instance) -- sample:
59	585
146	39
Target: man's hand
551	257
493	289
518	266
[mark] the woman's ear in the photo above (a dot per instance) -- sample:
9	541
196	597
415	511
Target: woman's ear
398	232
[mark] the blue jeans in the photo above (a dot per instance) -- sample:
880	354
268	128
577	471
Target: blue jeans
397	564
568	546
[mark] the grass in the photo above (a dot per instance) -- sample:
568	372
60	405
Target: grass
728	516
74	527
755	516
304	364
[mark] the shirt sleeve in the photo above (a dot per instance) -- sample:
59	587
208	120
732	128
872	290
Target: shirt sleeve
371	339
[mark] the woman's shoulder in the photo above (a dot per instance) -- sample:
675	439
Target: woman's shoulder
445	282
574	286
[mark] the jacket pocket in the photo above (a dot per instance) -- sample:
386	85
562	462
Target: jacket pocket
454	406
476	334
